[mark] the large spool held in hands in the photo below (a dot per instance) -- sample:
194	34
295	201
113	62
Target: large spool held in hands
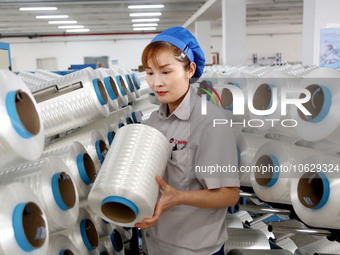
121	194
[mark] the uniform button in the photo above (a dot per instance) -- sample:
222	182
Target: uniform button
147	234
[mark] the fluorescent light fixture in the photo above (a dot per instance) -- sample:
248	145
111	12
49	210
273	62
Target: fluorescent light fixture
146	20
145	25
52	17
154	6
77	30
62	22
144	28
67	27
38	8
145	14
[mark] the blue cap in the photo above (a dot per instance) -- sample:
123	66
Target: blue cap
185	41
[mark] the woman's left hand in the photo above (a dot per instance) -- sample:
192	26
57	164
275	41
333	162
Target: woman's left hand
169	198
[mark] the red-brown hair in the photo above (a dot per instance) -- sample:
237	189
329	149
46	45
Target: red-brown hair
150	52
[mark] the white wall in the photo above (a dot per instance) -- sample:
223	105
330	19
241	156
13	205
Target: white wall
264	45
126	49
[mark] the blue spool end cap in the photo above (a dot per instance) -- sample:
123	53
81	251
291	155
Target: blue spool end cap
81	158
102	99
116	240
120	85
135	81
128	82
63	191
24	126
89	234
101	150
110	92
119	209
29	215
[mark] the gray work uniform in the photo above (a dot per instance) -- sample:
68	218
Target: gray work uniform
188	230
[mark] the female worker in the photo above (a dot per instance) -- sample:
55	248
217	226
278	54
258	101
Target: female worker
189	216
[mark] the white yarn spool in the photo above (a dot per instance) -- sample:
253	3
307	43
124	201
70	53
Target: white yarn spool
80	164
233	221
22	134
264	228
104	228
287	244
247	146
316	195
23	224
246	239
276	162
120	194
323	83
244	216
321	246
32	80
51	182
48	75
262	98
93	142
83	234
122	85
114	243
122	96
61	245
76	108
110	85
130	87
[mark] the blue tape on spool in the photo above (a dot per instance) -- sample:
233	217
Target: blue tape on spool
326	105
271	98
61	252
126	228
110	137
120	86
56	192
238	155
106	222
113	241
84	236
18	228
120	125
13	115
231	107
125	106
109	89
326	191
96	89
81	169
99	154
133	114
135	81
128	121
128	82
122	200
276	172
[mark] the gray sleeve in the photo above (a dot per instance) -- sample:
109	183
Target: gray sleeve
215	163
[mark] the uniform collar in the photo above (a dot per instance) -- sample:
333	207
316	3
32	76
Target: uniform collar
185	108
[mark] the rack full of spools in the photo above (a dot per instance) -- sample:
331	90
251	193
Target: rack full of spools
70	147
57	131
288	160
